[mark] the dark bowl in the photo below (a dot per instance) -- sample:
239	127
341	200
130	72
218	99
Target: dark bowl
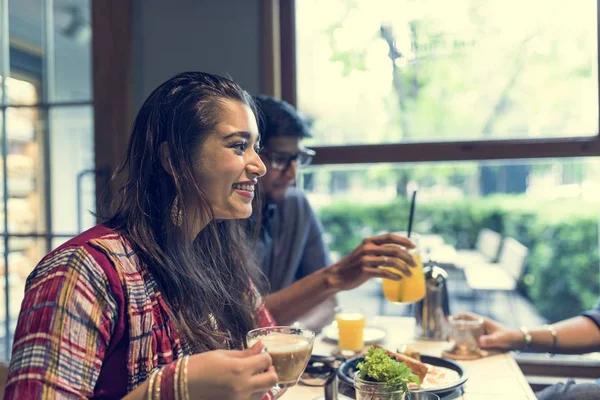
348	368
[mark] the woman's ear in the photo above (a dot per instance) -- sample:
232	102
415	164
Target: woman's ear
165	158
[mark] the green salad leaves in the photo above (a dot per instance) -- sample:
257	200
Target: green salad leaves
378	366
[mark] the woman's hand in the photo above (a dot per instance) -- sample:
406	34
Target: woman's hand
496	335
231	374
362	264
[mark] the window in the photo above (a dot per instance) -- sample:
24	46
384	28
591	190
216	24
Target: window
456	200
46	138
421	71
490	109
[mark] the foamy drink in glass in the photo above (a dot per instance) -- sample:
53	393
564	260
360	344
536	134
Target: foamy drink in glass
289	347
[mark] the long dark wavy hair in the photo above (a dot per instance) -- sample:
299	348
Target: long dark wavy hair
206	280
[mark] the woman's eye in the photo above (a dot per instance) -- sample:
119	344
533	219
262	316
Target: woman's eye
240	147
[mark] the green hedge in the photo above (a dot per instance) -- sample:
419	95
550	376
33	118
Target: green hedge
562	271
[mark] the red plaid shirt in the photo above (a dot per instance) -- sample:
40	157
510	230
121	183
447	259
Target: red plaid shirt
93	324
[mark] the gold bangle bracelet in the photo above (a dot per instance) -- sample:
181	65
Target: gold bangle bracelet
185	378
176	380
552	331
157	385
527	338
149	390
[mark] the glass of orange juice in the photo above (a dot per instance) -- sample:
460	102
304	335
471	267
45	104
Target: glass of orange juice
351	326
409	289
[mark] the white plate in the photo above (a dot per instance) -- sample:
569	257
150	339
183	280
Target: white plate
372	334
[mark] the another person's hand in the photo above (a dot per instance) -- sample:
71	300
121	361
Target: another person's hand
231	374
362	264
496	335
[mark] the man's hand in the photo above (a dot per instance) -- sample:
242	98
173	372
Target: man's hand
389	250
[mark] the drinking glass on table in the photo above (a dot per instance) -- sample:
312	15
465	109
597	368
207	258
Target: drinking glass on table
290	349
464	333
409	289
351	326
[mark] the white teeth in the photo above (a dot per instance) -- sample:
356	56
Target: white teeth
249	188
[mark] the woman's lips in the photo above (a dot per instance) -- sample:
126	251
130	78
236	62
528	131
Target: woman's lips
245	193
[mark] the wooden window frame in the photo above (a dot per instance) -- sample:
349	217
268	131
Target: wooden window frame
112	56
279	17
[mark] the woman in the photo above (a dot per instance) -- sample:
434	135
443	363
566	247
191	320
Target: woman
120	309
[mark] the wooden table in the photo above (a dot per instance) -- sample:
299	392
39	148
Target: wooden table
496	377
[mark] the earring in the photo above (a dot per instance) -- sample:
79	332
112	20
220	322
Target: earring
176	212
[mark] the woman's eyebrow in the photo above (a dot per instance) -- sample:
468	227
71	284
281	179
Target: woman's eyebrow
241	134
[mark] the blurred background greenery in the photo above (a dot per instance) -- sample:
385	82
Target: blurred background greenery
561	274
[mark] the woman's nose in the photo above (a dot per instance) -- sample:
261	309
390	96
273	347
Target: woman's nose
257	166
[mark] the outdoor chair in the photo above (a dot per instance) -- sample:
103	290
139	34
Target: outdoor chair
502	276
486	250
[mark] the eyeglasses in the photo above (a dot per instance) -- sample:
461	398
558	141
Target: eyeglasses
282	161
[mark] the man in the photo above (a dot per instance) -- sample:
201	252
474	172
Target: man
291	252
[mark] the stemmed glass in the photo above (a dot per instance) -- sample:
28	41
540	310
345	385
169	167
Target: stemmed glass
290	349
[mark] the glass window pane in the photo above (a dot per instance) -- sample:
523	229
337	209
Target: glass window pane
381	71
72	160
57	241
25	21
4	351
3	35
25	170
2	176
550	206
72	51
24	254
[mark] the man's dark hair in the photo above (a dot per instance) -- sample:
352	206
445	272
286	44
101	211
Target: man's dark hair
278	118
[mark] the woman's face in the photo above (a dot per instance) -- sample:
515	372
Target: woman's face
228	166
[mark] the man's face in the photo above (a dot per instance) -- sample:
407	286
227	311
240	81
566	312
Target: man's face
275	182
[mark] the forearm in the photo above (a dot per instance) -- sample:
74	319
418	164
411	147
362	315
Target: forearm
288	304
320	316
139	393
575	336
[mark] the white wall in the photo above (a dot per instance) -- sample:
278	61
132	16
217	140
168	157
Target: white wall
216	36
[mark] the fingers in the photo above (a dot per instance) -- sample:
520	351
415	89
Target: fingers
468	315
397	252
381	273
497	340
393	262
490	326
387	253
257	348
391	238
485	341
264	381
257	363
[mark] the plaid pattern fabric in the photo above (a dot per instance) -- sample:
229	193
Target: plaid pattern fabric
70	316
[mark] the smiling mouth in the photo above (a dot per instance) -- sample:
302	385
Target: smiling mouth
246	187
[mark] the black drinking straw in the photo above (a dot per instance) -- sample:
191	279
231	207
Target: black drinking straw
412	213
